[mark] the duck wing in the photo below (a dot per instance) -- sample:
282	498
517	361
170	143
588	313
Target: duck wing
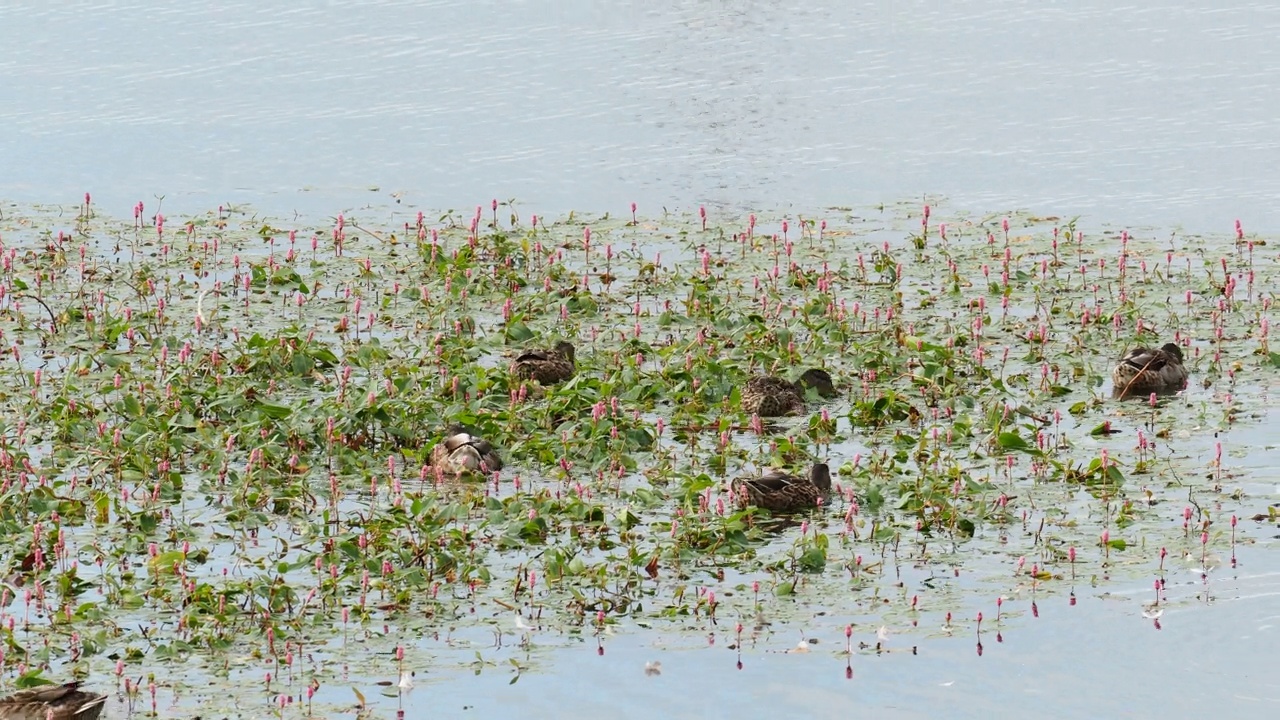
457	440
56	701
537	356
1142	358
769	385
772	481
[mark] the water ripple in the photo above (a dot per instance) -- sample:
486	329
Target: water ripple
1153	113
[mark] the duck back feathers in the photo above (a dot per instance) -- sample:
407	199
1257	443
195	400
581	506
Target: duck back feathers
546	366
1143	371
59	702
780	492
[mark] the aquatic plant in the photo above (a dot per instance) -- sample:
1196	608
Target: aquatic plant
218	432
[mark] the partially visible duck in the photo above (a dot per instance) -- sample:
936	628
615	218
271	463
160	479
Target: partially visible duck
546	366
1144	370
460	452
780	492
771	396
53	702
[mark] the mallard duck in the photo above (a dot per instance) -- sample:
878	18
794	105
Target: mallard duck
1144	370
460	452
779	492
770	396
53	702
546	366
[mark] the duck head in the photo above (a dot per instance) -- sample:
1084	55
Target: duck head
819	380
820	476
565	348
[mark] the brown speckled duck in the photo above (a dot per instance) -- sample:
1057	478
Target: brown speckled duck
460	452
546	366
770	396
1144	370
56	702
780	492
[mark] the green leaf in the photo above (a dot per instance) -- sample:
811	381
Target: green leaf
1102	428
276	412
814	560
131	406
518	332
1011	440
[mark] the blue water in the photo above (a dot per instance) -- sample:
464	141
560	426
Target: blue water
1209	657
1159	114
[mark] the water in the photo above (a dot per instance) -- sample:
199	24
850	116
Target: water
1160	114
1205	656
1152	114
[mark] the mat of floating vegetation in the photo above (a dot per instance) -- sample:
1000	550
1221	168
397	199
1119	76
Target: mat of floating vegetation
251	447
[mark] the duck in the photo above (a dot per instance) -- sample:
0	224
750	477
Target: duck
781	492
1144	370
772	396
53	702
459	452
546	366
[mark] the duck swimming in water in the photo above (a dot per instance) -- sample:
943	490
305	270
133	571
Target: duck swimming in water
460	452
771	396
546	366
781	492
1144	370
53	702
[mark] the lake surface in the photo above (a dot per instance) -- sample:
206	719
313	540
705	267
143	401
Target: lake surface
1159	115
1154	113
1100	658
